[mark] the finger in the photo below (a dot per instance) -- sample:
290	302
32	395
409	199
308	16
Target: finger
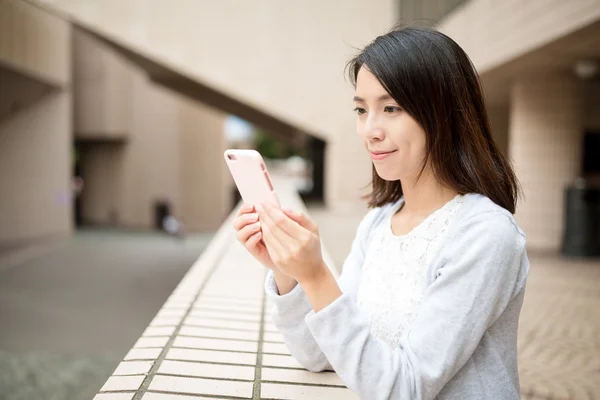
301	219
244	220
244	234
282	226
253	240
273	243
245	208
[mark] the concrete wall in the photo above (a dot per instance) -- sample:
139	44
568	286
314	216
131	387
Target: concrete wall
35	42
173	151
495	32
286	58
151	167
546	146
35	128
102	84
102	196
35	170
499	123
206	185
123	179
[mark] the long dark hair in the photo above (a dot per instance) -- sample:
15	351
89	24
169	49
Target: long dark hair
433	79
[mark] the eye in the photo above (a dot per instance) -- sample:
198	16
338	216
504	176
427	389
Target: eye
360	111
391	109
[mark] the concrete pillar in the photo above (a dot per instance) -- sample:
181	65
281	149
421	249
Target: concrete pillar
206	185
151	166
35	125
102	90
499	119
546	148
35	171
347	170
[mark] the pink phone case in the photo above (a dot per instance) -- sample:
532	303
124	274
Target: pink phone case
251	177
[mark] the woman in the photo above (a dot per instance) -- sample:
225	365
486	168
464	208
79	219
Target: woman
429	298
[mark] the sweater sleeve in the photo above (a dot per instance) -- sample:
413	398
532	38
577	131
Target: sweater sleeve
290	310
479	273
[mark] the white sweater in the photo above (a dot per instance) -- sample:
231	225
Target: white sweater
461	343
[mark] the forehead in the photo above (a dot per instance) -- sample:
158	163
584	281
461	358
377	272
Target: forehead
367	84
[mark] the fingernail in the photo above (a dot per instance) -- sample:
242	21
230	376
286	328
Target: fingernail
253	217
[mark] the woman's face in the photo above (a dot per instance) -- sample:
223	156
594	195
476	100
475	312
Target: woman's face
395	141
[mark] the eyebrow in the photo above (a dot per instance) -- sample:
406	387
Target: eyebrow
380	98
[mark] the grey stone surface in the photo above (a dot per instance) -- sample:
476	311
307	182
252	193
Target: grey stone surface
69	315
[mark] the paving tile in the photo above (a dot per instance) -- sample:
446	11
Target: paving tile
270	327
206	370
273	337
277	348
143	354
294	375
246	288
256	309
280	361
191	283
211	356
237	316
178	303
172	312
133	368
215	344
146	342
218	333
115	383
201	386
114	396
257	301
177	296
297	392
165	321
159	331
165	396
216	323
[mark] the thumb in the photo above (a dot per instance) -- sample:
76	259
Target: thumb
301	219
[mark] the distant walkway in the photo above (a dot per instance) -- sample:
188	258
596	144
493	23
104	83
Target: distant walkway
67	316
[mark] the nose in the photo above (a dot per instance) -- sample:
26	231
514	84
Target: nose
373	129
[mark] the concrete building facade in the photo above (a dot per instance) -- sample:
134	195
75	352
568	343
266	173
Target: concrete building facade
280	65
539	62
140	144
35	124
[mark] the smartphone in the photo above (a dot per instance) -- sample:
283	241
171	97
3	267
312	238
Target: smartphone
251	177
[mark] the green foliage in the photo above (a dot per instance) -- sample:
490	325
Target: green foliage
272	148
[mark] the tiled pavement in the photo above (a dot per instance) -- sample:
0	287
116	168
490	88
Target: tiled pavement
213	338
559	336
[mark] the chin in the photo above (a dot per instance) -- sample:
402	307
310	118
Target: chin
387	175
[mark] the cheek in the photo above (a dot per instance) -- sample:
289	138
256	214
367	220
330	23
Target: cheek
360	128
410	142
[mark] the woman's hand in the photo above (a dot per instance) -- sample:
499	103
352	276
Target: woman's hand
293	244
249	234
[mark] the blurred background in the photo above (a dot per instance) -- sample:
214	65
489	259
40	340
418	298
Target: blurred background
114	116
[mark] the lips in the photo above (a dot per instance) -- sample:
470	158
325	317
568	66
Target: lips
380	155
